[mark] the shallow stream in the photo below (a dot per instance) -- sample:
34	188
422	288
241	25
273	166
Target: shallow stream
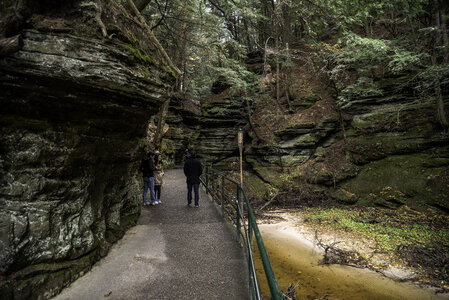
296	260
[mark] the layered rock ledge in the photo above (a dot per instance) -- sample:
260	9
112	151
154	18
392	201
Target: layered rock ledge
74	115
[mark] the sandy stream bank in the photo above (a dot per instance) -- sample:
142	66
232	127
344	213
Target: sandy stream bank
295	257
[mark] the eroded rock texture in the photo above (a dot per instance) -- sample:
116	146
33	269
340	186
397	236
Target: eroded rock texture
211	128
74	111
392	152
387	150
220	123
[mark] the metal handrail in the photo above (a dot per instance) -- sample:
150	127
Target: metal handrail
218	186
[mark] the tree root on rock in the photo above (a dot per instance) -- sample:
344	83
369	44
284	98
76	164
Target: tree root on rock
99	21
291	293
334	255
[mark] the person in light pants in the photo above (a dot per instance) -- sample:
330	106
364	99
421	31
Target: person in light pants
147	169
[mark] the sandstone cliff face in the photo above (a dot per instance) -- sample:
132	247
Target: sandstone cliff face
386	150
392	152
183	120
220	123
400	150
74	111
211	129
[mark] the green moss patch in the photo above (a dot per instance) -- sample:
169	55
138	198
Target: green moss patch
390	229
137	53
417	180
255	187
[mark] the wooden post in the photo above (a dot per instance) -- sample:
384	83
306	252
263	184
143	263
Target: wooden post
239	198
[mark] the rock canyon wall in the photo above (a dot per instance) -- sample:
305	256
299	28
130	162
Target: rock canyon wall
75	105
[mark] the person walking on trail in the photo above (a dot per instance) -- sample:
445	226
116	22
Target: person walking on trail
147	168
158	176
193	170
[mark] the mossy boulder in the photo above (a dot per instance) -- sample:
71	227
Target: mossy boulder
304	102
255	187
412	179
344	196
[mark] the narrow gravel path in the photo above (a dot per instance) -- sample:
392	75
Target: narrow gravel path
174	252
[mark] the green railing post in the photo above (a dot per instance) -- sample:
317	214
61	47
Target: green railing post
241	201
274	288
238	210
250	246
250	233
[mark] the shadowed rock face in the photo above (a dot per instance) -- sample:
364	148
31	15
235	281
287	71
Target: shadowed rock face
219	126
74	113
211	129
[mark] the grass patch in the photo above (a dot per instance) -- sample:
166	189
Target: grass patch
390	229
389	237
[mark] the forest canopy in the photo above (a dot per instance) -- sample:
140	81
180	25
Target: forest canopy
356	42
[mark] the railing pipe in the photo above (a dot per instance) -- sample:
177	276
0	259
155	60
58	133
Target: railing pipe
274	288
238	211
247	237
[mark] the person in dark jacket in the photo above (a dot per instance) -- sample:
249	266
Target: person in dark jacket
147	168
193	170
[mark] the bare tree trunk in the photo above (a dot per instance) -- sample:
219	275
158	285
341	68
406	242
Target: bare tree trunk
261	23
10	45
287	22
340	116
288	79
180	52
287	94
444	35
183	79
141	4
250	120
437	21
342	123
440	107
441	113
439	39
153	38
161	124
247	36
277	64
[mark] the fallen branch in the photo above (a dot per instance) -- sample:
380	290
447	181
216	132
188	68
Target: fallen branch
333	255
271	200
291	293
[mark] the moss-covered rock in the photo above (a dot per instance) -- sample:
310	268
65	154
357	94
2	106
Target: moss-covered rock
411	179
75	110
344	196
304	102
